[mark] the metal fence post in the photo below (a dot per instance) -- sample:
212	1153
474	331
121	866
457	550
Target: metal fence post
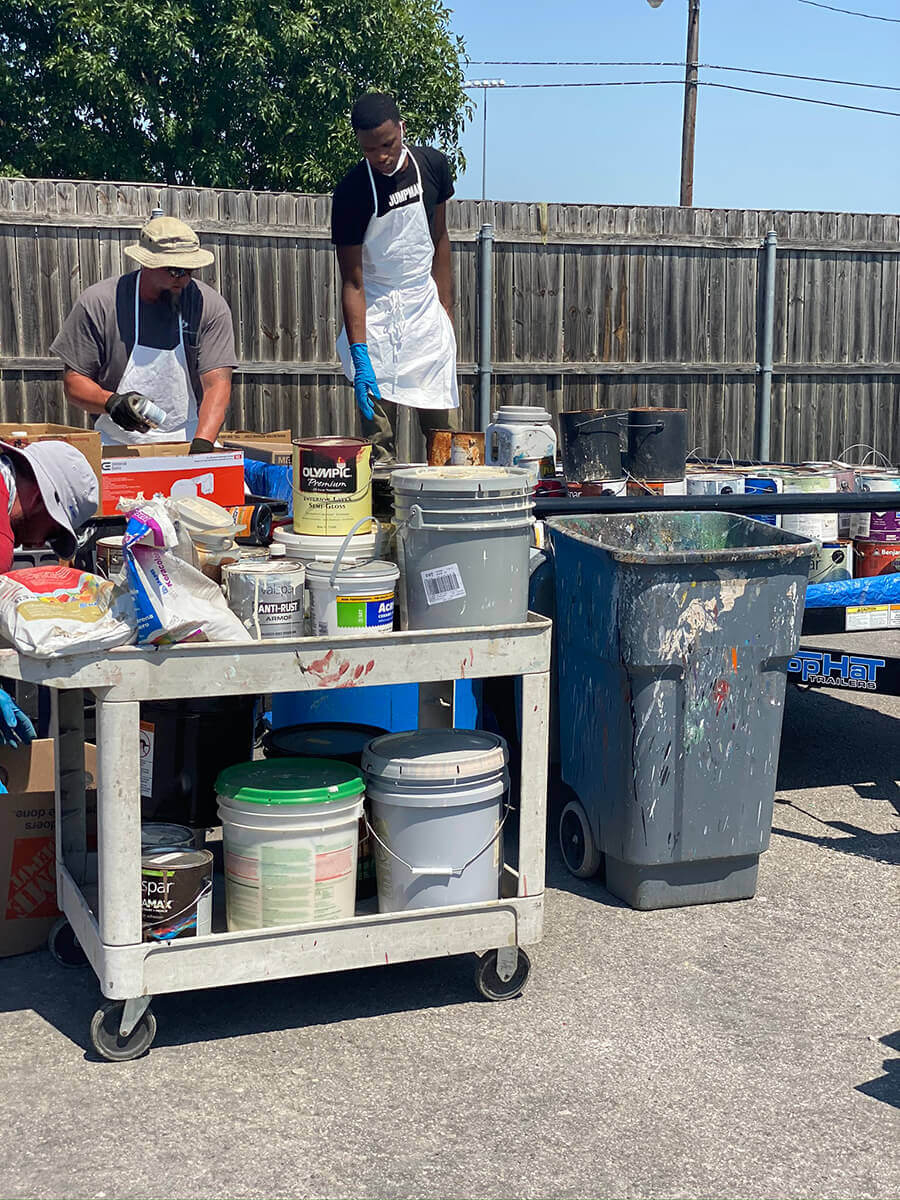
764	418
485	308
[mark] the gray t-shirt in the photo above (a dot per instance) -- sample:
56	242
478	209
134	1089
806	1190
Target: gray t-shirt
98	334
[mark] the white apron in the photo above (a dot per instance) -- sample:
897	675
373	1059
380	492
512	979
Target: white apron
409	334
162	376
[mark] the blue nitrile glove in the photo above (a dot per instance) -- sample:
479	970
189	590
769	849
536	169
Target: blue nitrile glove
15	727
364	383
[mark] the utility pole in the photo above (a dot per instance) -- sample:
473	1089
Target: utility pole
689	123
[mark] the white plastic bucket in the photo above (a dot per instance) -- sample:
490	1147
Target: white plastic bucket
290	828
522	436
310	548
463	540
351	600
437	816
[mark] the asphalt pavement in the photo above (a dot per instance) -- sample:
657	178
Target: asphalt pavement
749	1049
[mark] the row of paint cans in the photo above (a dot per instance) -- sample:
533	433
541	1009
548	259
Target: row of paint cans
332	485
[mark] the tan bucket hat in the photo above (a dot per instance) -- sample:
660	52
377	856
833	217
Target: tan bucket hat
168	242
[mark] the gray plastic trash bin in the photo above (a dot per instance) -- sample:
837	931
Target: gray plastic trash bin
673	634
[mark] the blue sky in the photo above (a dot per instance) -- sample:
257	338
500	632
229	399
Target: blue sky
622	145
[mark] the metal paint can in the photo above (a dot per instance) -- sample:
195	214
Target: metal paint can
332	484
110	559
267	597
715	483
657	487
176	894
605	487
877	526
461	448
831	562
160	835
818	527
764	485
876	558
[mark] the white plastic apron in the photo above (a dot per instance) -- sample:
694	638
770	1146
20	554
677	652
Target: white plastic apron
162	376
409	334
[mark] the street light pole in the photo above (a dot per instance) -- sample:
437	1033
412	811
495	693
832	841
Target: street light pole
484	84
689	118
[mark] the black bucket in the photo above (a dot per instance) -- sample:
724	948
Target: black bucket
657	443
592	444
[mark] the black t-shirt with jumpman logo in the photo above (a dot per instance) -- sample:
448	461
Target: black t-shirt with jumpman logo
353	205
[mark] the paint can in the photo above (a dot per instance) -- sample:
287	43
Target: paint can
657	487
820	526
332	484
522	436
714	483
351	599
832	561
267	598
605	487
176	894
876	558
462	448
764	485
592	443
290	833
656	444
110	558
463	540
160	835
877	526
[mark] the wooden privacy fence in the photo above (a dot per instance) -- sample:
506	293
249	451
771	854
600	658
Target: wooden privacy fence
593	306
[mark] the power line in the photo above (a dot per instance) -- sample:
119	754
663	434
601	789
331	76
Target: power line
884	87
851	12
731	87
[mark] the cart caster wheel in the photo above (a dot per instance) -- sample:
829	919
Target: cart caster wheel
107	1040
64	946
580	851
489	983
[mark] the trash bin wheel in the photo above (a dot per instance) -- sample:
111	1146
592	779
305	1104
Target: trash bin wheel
64	945
580	851
107	1040
489	983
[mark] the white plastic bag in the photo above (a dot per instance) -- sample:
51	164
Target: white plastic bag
53	610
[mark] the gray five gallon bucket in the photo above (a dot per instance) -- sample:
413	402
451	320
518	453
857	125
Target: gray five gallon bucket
437	816
463	539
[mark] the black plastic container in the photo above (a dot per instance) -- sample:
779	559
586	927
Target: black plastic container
592	444
657	444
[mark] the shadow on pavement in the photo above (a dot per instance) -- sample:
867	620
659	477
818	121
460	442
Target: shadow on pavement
887	1086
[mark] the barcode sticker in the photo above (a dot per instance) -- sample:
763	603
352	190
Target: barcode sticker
443	584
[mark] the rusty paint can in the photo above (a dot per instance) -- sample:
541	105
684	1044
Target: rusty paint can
456	448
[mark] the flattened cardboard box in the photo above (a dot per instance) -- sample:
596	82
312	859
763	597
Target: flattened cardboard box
27	843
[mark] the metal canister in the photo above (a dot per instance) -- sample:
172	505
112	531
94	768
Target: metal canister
267	597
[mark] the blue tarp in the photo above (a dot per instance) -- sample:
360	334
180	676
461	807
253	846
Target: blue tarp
879	589
270	480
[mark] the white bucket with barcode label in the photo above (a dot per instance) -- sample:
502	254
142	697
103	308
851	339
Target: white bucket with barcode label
351	600
463	541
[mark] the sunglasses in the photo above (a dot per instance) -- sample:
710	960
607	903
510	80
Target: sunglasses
179	272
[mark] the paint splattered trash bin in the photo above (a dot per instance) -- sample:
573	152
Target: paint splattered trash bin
673	632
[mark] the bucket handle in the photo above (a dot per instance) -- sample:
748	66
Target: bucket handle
445	872
865	446
346	542
415	521
657	427
618	420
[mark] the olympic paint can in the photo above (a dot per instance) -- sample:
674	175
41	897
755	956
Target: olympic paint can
878	526
332	484
176	894
832	561
818	526
267	597
715	483
876	558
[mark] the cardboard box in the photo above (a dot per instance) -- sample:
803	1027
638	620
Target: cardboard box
85	440
250	435
27	843
218	477
270	451
150	450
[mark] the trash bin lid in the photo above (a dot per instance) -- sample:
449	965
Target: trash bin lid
435	755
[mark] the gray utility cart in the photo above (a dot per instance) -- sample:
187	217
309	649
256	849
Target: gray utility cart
103	920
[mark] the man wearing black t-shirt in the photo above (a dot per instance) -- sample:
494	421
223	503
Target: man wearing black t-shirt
388	224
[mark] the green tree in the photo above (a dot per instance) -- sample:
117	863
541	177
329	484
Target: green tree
218	93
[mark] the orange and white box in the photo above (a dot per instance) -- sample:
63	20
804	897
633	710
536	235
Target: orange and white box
218	477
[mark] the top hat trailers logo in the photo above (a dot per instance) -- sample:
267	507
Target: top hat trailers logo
835	670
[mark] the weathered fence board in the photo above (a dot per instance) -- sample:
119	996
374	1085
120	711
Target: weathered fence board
594	306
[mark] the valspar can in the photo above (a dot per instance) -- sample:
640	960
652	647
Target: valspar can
176	894
332	484
267	597
831	562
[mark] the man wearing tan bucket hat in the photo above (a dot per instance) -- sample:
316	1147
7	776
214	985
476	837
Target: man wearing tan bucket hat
150	353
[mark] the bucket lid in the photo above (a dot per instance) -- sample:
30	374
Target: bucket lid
274	781
521	412
337	739
262	566
364	572
435	755
157	834
473	481
197	515
177	858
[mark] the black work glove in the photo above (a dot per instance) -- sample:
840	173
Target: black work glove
127	411
201	446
